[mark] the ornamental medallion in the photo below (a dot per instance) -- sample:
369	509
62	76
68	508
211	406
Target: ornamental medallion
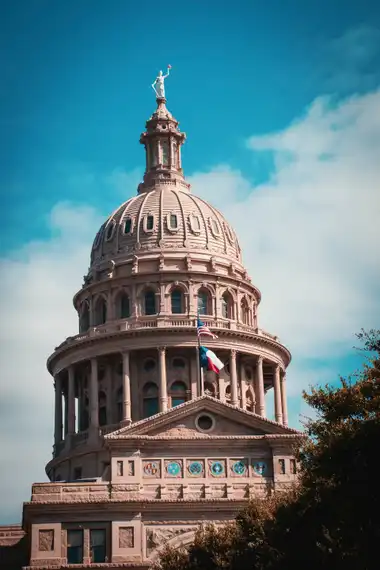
239	467
216	468
151	468
195	468
173	468
260	468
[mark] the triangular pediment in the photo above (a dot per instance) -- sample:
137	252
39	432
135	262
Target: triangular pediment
189	420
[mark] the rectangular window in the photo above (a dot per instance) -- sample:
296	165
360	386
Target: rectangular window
293	466
281	465
150	223
165	152
75	546
131	468
98	545
120	468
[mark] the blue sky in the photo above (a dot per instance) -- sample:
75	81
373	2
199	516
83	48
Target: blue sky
280	102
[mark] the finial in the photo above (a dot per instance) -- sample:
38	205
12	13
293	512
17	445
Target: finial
159	84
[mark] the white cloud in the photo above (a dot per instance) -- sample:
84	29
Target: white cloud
36	287
310	235
310	238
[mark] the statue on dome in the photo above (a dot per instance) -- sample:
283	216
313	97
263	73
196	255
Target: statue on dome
159	83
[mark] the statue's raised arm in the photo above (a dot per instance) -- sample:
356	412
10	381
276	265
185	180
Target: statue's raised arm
159	84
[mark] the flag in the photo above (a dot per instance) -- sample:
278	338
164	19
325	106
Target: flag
202	329
209	360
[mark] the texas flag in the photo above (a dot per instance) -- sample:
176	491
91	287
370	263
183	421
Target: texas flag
209	360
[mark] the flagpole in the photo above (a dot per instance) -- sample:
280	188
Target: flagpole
200	369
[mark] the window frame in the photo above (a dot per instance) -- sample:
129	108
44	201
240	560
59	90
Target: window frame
128	219
145	223
171	228
104	545
153	293
109	235
181	301
69	549
195	230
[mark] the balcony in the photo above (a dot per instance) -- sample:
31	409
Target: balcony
163	322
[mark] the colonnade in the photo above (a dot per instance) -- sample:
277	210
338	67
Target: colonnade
279	385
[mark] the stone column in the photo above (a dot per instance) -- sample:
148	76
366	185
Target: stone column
163	384
283	398
109	390
94	397
233	376
243	387
126	390
260	394
194	374
58	410
277	396
71	401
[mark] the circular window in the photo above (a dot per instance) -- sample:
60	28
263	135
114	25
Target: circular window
149	365
204	422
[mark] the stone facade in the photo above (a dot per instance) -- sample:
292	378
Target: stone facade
145	447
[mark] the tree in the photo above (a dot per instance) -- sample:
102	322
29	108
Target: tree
331	521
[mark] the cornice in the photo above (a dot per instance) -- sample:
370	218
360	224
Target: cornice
147	338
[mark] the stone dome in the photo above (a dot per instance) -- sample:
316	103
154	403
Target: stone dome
165	218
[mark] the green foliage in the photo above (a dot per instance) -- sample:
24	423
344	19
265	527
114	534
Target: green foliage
331	520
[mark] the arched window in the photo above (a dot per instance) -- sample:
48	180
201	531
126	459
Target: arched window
119	404
204	302
124	306
150	399
227	306
177	301
84	319
100	311
228	393
245	312
178	393
150	303
210	389
102	408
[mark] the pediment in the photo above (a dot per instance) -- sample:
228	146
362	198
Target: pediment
185	421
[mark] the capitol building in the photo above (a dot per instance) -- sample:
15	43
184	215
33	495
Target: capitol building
146	447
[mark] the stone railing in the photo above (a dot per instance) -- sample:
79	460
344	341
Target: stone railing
83	492
164	321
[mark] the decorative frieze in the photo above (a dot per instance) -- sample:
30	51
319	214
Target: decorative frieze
126	537
45	540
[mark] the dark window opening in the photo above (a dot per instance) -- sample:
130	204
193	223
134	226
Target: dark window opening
205	423
281	465
125	311
173	221
150	303
176	299
110	231
128	226
75	546
150	223
98	545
